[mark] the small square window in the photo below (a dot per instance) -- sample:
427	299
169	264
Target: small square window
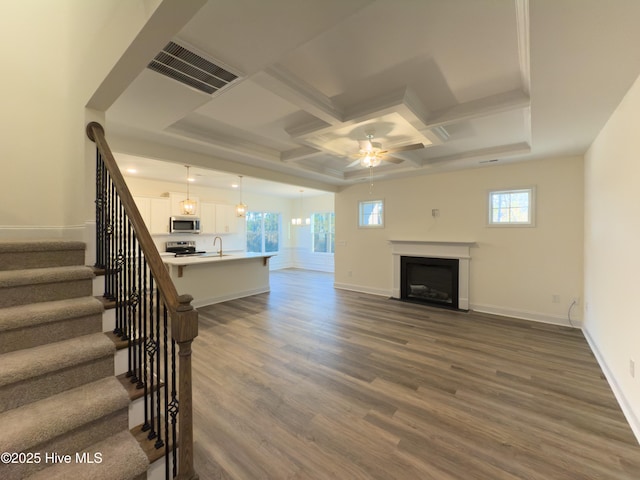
371	214
512	207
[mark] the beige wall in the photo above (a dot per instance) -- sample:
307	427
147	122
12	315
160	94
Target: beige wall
50	74
514	271
612	253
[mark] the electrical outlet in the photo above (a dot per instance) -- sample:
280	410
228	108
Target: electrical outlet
555	298
632	368
349	273
575	301
435	212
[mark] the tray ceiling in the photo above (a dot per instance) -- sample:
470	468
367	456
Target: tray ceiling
470	80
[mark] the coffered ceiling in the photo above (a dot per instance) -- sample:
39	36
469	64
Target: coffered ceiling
472	81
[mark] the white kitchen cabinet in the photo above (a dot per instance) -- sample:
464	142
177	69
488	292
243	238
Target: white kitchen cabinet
208	218
226	220
159	215
155	212
175	198
144	206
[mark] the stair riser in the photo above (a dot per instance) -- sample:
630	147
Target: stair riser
71	442
22	260
32	390
46	292
50	332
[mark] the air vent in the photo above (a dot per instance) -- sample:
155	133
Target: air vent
191	69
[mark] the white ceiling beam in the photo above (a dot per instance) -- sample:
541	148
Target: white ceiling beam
490	153
225	144
285	84
301	153
483	107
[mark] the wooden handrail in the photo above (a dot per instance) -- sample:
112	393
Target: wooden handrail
167	289
184	318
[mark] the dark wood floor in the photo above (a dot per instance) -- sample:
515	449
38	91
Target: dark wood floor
309	382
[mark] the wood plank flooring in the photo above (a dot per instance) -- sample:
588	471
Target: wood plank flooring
309	382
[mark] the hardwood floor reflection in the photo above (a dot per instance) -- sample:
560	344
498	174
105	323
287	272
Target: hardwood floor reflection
309	382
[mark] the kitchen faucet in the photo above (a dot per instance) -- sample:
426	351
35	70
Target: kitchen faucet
214	244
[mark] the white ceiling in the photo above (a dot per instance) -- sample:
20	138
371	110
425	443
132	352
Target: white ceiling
472	80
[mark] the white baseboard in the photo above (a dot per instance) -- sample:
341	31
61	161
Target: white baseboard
525	315
42	232
203	302
625	406
361	289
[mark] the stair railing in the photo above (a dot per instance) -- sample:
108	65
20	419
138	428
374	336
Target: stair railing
148	308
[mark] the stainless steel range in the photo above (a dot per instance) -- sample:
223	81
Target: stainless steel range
184	248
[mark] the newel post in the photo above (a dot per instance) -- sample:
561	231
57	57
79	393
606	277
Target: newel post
184	328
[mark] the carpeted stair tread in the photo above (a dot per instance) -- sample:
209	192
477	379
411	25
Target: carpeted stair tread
22	316
34	276
30	325
40	254
33	362
40	246
26	427
122	459
36	285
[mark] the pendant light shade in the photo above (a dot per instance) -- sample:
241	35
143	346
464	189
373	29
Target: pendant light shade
188	206
298	221
241	208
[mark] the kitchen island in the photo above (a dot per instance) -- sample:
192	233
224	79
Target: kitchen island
211	278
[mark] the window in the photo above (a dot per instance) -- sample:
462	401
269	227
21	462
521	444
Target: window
323	232
371	214
263	232
511	207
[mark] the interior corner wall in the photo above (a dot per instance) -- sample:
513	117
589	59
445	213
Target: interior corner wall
527	272
612	253
43	113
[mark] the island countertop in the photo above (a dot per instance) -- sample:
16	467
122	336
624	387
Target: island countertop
212	257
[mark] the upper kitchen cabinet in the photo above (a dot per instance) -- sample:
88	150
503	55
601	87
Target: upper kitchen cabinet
155	212
208	218
226	220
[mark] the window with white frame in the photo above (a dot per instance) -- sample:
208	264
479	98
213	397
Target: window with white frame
263	232
514	207
323	232
371	214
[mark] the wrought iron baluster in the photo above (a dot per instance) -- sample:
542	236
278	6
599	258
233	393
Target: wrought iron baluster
139	300
151	350
158	393
173	408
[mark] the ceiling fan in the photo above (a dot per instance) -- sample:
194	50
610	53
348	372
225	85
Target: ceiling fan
371	153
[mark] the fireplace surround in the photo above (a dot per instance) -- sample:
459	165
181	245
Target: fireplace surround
428	249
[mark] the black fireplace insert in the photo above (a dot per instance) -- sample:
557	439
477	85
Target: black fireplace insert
433	281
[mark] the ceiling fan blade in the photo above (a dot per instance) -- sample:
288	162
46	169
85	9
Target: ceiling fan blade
392	159
414	146
353	164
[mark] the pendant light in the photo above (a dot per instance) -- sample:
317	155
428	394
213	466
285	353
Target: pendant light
188	206
297	221
241	208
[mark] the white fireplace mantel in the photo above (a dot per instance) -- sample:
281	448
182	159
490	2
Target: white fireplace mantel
434	249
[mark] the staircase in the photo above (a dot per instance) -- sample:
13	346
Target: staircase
58	392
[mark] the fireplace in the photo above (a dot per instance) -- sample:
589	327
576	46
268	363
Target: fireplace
452	253
432	281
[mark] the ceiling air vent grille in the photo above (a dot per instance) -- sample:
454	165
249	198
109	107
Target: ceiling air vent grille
191	69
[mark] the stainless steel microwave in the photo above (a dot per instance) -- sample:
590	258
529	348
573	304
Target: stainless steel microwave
184	224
